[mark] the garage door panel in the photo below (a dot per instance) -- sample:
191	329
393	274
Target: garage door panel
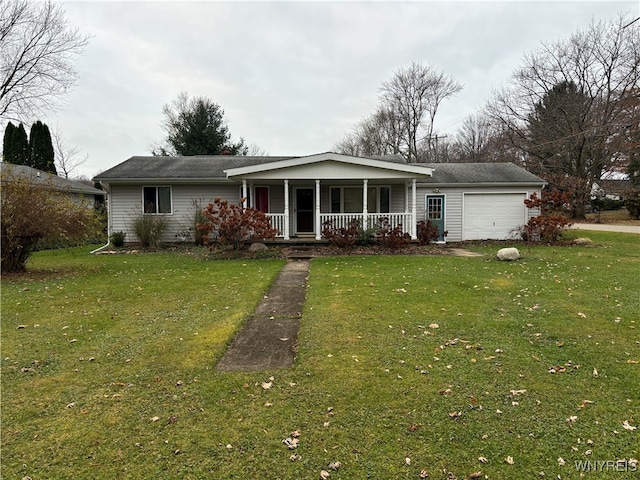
492	215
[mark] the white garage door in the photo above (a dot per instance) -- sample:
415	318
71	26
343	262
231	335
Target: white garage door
492	215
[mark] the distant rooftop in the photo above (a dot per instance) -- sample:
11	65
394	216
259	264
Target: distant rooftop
39	177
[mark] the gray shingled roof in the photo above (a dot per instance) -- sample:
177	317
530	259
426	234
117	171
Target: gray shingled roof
486	173
193	167
37	177
199	166
213	167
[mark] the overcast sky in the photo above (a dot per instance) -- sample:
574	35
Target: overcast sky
292	77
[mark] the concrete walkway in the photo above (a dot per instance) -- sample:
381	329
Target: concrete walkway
267	341
607	228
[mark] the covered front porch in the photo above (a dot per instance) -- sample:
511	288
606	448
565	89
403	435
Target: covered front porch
298	209
300	195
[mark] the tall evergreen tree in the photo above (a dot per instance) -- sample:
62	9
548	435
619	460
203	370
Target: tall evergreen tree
18	152
41	153
196	126
6	142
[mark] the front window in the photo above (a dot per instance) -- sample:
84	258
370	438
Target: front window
156	199
349	199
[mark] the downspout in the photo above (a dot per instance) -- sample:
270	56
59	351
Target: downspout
99	249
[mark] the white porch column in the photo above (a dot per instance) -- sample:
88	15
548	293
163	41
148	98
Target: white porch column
286	210
252	196
244	193
318	226
406	197
365	209
414	212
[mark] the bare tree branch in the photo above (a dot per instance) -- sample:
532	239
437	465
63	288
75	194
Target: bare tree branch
37	48
66	155
572	102
415	94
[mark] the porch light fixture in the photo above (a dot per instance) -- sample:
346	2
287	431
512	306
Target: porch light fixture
436	190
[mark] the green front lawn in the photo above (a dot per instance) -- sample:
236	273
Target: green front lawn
444	365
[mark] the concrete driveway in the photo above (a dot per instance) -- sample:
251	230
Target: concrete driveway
601	227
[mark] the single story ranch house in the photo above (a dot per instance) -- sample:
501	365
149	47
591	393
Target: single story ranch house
470	201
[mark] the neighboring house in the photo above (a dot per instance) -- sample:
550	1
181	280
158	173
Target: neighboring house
612	189
468	200
78	192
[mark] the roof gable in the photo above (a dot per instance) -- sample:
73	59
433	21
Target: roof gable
330	165
223	167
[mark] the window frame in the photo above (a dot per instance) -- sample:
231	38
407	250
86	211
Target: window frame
340	200
157	199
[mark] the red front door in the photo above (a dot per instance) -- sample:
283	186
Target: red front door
262	199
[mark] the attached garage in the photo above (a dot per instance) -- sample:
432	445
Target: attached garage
482	201
492	215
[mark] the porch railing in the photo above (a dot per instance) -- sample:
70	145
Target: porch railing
277	222
342	220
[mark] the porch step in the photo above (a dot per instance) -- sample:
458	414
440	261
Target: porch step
299	252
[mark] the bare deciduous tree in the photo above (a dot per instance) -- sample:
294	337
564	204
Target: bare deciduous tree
473	137
37	48
376	135
603	63
403	122
414	94
67	156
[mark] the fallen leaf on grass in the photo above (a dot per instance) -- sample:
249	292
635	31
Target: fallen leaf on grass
561	461
582	315
626	426
335	465
291	443
584	404
267	385
509	460
154	419
455	415
572	419
324	475
434	325
407	461
482	459
424	474
475	475
517	392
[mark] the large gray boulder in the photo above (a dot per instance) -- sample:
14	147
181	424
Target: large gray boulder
508	254
257	247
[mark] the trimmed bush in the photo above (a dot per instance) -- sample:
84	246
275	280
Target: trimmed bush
149	229
117	239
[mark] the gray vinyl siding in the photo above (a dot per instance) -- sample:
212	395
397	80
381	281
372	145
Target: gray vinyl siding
126	202
397	202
